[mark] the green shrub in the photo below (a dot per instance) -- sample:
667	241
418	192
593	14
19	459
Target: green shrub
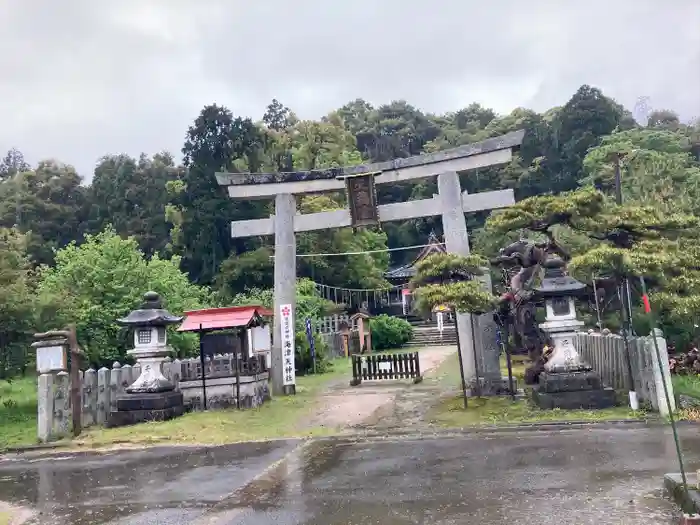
304	362
389	332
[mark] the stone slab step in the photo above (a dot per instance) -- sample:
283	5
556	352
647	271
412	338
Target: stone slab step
444	342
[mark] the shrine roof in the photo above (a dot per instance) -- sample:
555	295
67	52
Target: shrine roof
409	270
223	318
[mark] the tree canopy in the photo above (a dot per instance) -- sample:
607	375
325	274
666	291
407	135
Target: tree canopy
449	279
103	279
168	223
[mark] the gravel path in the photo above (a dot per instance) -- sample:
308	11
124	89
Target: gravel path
343	407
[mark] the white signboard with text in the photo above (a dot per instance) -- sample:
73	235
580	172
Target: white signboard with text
50	359
259	339
287	328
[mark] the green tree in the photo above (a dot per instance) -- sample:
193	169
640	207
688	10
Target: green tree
449	279
309	304
578	126
130	195
103	279
621	241
664	119
12	164
215	142
49	202
277	117
248	271
656	167
16	304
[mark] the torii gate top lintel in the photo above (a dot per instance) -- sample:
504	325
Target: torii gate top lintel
488	152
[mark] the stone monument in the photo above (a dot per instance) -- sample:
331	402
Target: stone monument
152	397
566	381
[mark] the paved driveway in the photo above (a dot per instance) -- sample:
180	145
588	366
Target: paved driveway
567	477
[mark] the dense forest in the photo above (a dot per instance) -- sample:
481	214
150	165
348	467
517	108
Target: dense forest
84	252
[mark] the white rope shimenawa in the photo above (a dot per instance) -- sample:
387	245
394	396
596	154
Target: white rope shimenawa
366	251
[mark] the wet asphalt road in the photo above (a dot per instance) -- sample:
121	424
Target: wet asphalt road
566	477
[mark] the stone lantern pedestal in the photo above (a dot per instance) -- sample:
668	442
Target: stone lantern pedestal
152	397
567	381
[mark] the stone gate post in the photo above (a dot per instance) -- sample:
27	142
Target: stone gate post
53	400
285	282
454	226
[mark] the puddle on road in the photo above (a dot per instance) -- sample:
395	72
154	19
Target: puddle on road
105	488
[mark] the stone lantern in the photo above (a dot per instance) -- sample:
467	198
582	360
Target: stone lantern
152	397
559	290
150	344
567	381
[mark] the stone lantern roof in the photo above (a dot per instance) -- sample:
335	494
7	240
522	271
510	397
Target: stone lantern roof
151	313
556	282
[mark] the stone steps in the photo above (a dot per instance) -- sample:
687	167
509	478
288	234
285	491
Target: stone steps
431	337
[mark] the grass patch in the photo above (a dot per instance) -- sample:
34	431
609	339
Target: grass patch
279	418
449	375
451	413
18	412
688	385
518	366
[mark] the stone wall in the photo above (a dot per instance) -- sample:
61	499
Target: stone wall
100	389
606	354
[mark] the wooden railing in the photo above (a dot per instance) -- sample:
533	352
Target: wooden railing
379	367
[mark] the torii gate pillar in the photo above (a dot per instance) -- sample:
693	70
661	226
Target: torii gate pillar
470	327
285	283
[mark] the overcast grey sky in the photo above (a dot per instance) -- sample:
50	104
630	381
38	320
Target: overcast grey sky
84	78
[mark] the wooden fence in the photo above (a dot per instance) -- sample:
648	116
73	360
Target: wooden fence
378	367
606	354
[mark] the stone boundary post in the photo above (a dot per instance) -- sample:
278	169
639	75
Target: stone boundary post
661	373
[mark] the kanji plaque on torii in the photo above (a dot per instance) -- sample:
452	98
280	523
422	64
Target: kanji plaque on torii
451	203
362	199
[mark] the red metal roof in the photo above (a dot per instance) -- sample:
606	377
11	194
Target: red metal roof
221	318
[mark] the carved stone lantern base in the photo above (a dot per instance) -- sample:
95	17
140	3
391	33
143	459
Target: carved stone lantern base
572	390
139	408
151	380
568	382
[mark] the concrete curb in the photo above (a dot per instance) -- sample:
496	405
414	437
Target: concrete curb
60	449
32	448
159	448
688	502
552	426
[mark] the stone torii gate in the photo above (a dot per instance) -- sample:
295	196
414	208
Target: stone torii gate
359	183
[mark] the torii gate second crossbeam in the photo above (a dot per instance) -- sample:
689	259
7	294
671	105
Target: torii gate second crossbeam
450	202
